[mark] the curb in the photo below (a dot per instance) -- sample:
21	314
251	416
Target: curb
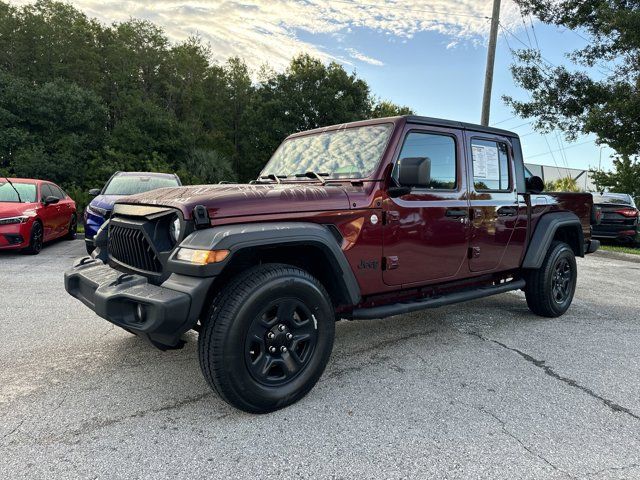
627	257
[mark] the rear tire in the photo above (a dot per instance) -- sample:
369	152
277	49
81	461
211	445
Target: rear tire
73	228
550	289
36	239
267	338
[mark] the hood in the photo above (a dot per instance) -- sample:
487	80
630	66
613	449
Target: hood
237	200
13	209
105	201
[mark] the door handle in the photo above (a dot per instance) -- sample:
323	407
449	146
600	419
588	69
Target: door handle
507	211
456	213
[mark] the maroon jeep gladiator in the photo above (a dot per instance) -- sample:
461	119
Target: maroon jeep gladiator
357	221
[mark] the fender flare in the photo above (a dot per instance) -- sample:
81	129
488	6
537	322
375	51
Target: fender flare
542	237
237	237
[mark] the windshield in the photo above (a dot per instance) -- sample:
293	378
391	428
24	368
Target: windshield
622	199
8	194
132	184
348	153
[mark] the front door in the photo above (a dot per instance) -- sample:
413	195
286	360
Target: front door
426	231
48	213
493	201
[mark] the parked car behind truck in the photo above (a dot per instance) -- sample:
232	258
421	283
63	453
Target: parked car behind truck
358	221
619	217
33	212
120	185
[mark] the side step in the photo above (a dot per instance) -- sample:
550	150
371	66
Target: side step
384	311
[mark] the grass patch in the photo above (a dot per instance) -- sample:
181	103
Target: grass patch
80	228
620	249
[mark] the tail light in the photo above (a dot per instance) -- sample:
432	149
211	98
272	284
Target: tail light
596	215
628	212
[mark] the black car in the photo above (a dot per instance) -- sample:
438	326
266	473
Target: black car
619	218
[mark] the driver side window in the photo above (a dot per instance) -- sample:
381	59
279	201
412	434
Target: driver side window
45	191
434	156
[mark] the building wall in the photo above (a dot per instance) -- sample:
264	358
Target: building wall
551	173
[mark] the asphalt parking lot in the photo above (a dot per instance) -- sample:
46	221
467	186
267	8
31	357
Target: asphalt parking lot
480	390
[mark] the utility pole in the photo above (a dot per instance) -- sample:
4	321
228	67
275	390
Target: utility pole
491	58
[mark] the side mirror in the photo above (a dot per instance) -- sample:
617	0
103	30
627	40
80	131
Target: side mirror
534	184
414	172
94	192
50	200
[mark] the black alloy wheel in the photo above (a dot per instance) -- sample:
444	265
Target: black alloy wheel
561	281
35	239
280	342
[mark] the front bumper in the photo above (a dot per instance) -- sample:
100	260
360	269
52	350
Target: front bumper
159	313
15	236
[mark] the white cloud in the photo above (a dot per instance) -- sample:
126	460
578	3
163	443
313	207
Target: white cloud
269	30
353	53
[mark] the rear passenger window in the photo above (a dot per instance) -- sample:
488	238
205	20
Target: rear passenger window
440	152
490	165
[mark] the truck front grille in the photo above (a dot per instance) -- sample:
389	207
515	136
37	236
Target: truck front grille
130	247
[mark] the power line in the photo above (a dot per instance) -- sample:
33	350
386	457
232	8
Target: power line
526	30
528	46
533	30
502	121
550	152
555	151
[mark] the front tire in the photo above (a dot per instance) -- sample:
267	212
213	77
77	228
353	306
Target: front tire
36	239
267	338
550	289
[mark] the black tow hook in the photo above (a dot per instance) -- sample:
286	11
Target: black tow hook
122	278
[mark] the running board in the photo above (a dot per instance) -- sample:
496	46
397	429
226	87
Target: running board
433	302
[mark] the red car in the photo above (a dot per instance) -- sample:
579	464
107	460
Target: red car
33	212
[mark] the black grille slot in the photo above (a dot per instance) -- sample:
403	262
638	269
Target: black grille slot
130	247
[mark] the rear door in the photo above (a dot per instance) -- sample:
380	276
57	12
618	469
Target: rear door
494	202
426	231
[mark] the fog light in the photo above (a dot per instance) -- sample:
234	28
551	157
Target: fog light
140	313
201	257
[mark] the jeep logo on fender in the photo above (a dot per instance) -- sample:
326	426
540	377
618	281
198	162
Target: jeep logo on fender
368	265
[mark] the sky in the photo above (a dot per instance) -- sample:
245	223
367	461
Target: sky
427	54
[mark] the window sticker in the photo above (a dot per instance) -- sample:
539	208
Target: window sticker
486	163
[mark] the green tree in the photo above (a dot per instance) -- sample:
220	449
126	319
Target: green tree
579	101
565	184
53	130
386	108
79	100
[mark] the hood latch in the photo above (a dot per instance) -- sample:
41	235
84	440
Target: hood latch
201	216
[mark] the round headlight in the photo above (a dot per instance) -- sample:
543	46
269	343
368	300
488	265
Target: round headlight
174	229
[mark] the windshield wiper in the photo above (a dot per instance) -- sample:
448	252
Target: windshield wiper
12	186
271	176
314	175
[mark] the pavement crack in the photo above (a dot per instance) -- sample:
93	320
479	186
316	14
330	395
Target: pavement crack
92	426
553	374
529	450
613	469
376	356
15	429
